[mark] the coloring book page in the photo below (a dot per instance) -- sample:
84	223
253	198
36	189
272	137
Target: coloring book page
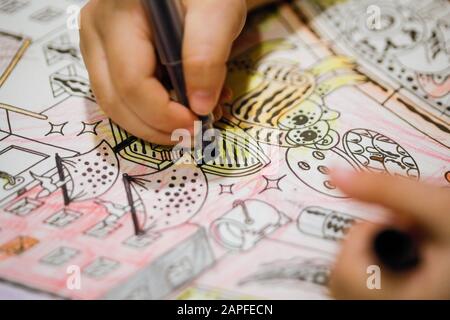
314	89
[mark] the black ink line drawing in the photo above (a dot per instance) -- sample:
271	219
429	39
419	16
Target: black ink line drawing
363	149
411	49
47	14
434	123
13	6
141	241
86	176
115	211
375	152
111	223
90	128
134	217
93	173
125	144
168	272
60	49
63	218
286	107
71	80
59	167
179	272
226	189
313	271
140	152
169	197
22	111
10	180
102	229
312	167
12	48
59	256
246	224
49	184
100	267
240	154
325	223
180	265
56	128
14	178
443	126
272	184
23	207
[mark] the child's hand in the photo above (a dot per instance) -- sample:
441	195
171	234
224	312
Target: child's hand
425	207
117	47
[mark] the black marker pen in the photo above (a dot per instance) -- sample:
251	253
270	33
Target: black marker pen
396	249
167	21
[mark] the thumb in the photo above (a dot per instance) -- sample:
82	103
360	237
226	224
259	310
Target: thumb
425	204
211	26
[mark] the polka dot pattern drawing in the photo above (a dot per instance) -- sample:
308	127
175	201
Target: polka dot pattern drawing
171	197
91	174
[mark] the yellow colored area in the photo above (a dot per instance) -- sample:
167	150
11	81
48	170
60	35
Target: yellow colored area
272	98
332	64
197	293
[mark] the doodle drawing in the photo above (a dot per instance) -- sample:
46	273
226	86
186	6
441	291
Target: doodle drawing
247	223
12	48
325	223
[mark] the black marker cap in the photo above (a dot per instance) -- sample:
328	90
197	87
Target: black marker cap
396	250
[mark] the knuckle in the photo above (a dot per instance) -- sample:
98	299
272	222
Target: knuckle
204	61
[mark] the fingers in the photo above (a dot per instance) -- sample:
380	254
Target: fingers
211	26
105	92
357	273
425	204
132	63
348	278
117	48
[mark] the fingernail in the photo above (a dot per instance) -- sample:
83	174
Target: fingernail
202	102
